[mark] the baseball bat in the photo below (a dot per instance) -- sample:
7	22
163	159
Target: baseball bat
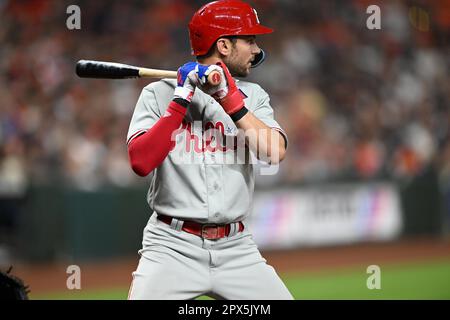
114	70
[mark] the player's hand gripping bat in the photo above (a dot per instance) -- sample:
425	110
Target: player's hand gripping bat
113	70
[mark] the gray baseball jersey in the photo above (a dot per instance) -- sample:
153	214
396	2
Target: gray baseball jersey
202	190
206	188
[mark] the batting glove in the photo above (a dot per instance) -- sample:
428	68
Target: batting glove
187	81
226	92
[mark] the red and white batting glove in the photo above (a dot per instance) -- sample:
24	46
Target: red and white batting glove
226	93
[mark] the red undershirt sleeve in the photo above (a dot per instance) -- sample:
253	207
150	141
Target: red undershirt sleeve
147	151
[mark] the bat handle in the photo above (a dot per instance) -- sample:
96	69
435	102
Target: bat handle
214	78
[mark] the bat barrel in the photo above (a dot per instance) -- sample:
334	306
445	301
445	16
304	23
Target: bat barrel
105	70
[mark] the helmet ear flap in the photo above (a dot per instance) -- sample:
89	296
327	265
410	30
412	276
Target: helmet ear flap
259	58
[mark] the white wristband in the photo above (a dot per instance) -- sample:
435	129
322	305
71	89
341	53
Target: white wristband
183	93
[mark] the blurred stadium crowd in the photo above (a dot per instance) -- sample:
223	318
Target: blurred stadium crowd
356	103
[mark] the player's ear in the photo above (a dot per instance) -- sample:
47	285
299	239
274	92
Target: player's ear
224	46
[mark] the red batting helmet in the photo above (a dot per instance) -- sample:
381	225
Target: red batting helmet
223	18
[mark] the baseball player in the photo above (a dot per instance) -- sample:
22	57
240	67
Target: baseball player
197	241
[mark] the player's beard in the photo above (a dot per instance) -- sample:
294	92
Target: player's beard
236	65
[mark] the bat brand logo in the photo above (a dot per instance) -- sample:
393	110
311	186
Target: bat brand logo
216	77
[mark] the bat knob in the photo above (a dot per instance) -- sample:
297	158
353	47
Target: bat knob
214	78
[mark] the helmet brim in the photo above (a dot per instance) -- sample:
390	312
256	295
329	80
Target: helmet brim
256	30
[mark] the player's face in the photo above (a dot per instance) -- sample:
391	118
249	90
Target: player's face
242	54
